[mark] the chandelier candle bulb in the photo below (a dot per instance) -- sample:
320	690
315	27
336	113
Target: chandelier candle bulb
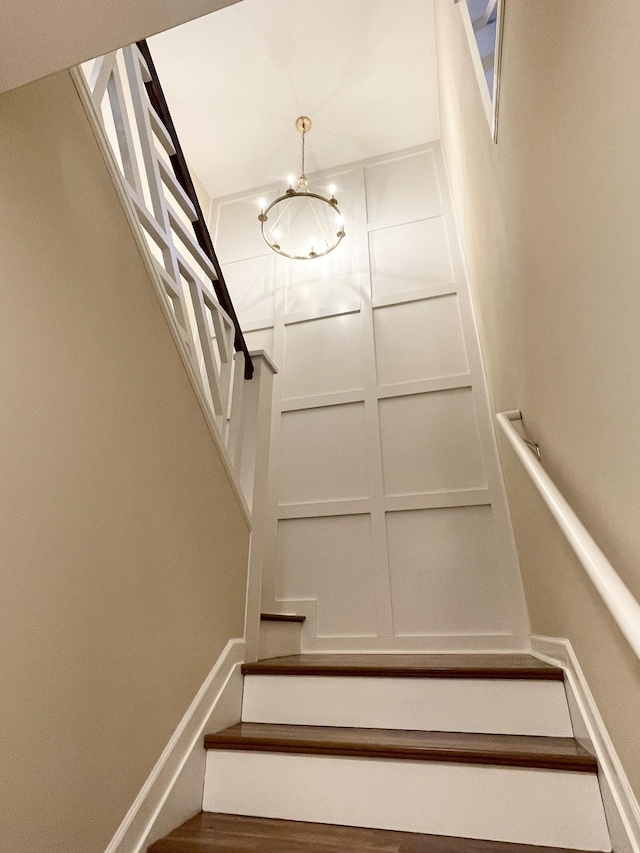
308	206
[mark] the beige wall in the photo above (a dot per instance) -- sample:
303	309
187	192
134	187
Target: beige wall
40	37
550	225
124	549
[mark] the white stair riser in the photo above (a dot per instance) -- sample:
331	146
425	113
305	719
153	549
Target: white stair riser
430	704
524	806
278	639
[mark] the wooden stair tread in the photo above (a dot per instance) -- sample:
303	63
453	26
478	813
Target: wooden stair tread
281	617
469	748
208	832
497	666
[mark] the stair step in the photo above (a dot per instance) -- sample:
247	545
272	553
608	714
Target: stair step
465	747
208	832
485	666
517	789
493	694
281	617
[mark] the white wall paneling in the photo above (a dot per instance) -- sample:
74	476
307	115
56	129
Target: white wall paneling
440	556
323	356
430	443
419	340
323	454
410	256
404	187
390	528
252	283
331	560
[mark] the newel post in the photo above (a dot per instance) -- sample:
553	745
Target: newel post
255	429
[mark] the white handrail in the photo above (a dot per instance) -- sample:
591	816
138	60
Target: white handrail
624	608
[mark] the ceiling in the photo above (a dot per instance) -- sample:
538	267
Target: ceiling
39	37
364	71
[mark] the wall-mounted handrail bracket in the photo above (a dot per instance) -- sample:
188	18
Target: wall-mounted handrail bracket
532	445
621	603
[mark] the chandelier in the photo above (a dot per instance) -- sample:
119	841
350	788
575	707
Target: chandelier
287	222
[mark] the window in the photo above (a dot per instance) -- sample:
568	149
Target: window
483	22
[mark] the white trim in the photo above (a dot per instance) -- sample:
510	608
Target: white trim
560	652
313	642
152	268
416	294
621	603
131	836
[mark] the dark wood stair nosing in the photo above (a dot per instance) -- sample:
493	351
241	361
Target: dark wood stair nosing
281	617
491	667
563	754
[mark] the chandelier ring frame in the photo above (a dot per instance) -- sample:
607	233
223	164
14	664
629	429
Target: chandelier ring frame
289	195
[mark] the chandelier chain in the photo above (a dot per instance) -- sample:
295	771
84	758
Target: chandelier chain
303	135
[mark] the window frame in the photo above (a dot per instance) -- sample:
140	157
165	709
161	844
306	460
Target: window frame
490	101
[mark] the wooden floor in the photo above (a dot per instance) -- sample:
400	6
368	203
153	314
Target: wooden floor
495	666
217	833
551	753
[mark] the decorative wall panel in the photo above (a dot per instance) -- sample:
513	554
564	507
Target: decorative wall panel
329	282
331	560
323	356
323	454
404	188
442	568
234	237
261	339
390	527
430	443
419	340
410	257
252	284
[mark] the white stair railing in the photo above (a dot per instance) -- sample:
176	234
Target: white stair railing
621	603
114	91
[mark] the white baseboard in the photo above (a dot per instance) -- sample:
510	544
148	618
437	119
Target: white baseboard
621	805
173	790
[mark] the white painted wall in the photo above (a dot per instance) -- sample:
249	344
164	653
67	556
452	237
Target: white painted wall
392	530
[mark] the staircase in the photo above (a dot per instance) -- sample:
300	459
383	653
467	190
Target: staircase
398	753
